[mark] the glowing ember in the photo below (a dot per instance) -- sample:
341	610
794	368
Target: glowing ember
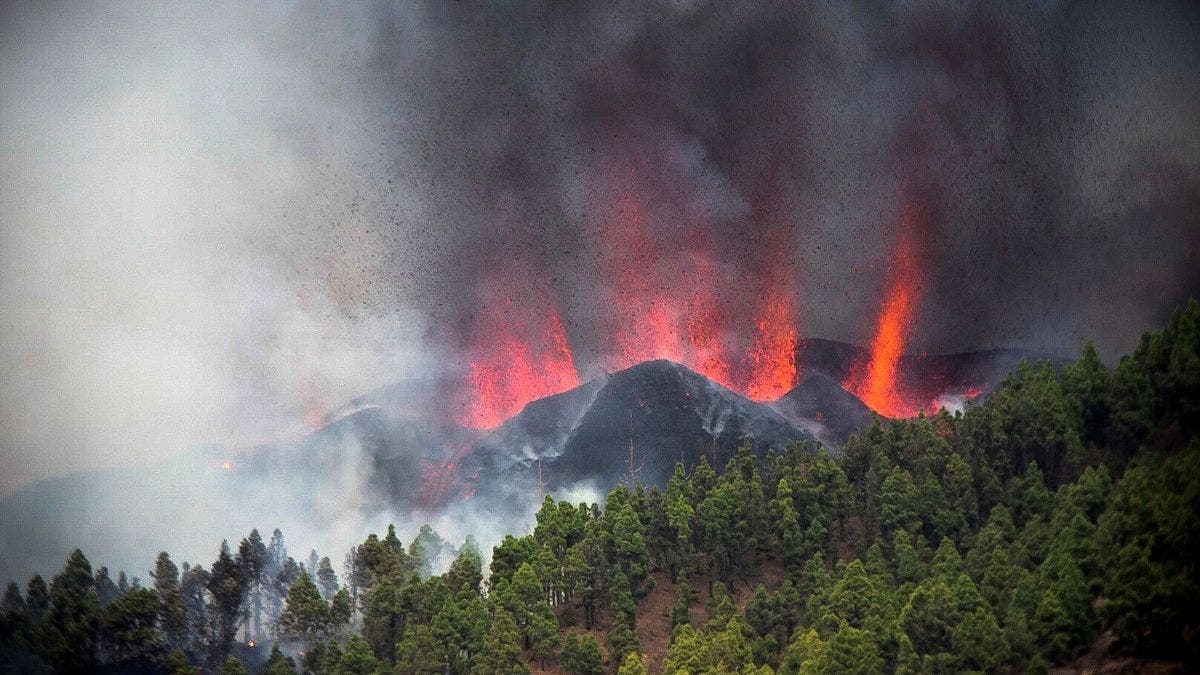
877	382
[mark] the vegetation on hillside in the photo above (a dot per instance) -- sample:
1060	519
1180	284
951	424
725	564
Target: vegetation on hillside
1056	518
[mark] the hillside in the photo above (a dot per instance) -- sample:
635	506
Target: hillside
1053	524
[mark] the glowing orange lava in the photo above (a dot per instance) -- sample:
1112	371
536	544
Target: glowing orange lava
665	302
644	317
877	382
773	356
519	359
662	299
705	323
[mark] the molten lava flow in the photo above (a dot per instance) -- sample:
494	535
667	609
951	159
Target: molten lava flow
773	356
877	382
519	360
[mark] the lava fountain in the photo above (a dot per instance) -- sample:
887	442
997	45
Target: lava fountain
877	382
773	356
520	355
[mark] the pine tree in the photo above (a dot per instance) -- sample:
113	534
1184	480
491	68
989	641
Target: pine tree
899	502
857	599
632	665
685	595
227	585
909	568
543	633
1088	386
501	649
232	666
419	653
581	655
621	640
805	654
131	638
791	536
467	568
340	610
327	579
279	663
929	617
999	579
461	625
720	607
193	583
172	610
273	594
178	664
1052	627
324	657
106	590
1038	666
305	615
74	619
979	643
688	653
13	605
383	619
357	659
850	650
37	598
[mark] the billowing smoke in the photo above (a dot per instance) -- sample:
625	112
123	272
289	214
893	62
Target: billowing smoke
1052	149
220	222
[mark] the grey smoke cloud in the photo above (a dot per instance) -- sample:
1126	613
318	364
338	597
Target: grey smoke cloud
189	248
1052	147
218	219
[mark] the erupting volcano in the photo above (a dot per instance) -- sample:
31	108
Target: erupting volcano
519	357
665	301
877	382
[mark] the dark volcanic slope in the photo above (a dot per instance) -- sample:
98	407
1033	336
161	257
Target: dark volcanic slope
540	430
925	376
394	454
821	405
669	412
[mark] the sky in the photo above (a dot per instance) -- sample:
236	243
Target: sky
218	221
